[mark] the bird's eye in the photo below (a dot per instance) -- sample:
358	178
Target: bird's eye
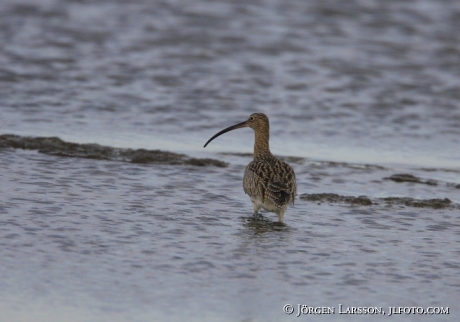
251	118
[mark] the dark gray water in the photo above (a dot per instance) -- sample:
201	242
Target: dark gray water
363	98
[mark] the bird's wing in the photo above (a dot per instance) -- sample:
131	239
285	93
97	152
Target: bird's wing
254	181
283	186
276	182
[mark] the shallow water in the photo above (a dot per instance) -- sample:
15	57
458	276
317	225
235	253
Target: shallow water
87	239
363	99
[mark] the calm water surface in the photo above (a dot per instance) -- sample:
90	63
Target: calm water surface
357	94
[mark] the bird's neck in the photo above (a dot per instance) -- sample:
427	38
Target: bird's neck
261	145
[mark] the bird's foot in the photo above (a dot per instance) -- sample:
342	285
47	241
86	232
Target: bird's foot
258	216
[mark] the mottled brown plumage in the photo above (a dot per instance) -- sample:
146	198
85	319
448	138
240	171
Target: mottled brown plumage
269	182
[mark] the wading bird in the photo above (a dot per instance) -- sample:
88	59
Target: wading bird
269	182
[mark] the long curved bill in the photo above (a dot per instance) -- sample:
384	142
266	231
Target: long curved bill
228	129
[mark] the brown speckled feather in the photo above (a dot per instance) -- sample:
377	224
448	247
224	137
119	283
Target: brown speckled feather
271	179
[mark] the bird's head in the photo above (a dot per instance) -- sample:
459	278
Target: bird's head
257	122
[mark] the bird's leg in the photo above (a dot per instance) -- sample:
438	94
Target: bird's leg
280	214
257	214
